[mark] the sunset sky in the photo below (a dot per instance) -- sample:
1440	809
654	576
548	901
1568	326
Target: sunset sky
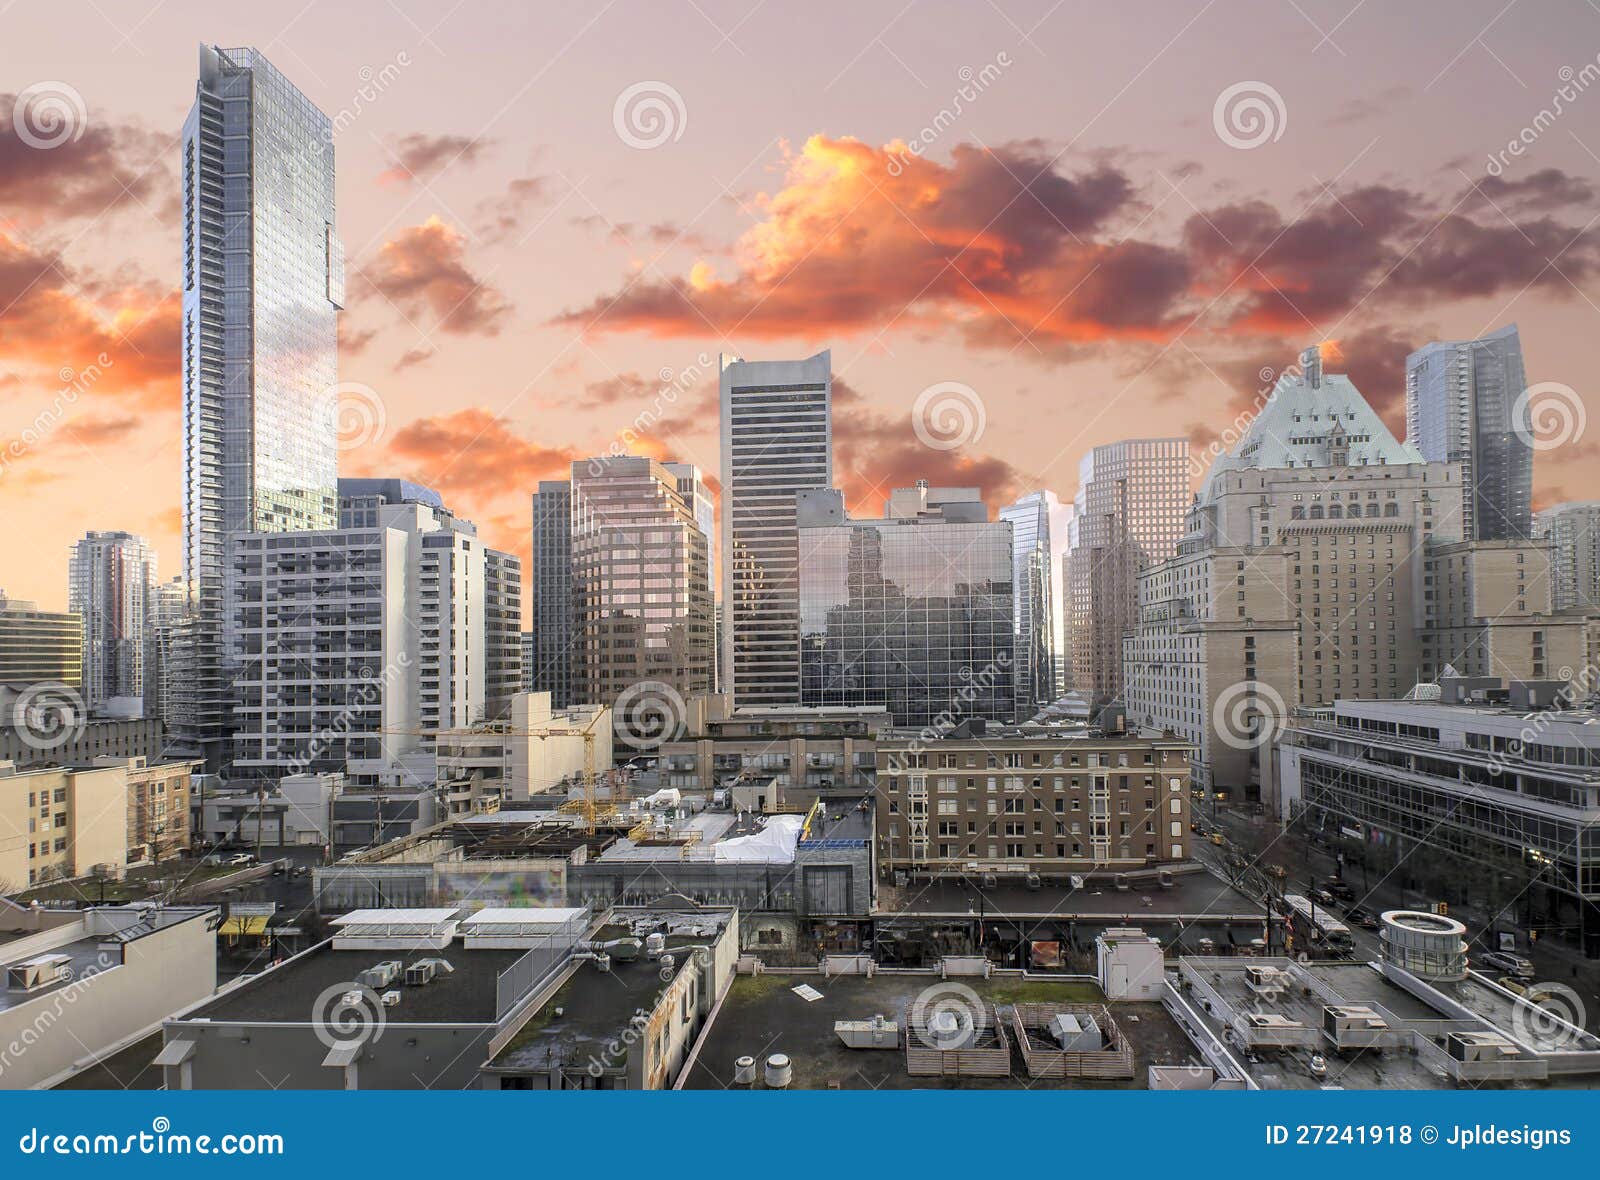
1080	243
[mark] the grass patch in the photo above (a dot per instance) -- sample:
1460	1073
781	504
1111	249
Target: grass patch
1043	991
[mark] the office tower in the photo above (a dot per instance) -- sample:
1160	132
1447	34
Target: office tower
692	487
38	646
109	586
167	622
263	285
1573	531
1461	397
356	644
1127	516
912	612
502	632
552	592
641	578
777	441
1033	592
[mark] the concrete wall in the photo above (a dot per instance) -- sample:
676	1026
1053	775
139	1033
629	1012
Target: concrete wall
159	974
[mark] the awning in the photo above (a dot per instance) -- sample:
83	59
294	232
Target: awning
175	1052
252	924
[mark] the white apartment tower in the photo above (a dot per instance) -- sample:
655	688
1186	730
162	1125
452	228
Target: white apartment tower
356	644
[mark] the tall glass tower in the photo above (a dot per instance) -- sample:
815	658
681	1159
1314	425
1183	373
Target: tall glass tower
1461	401
263	285
1033	591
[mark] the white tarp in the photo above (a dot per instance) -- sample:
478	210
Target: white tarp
773	844
669	797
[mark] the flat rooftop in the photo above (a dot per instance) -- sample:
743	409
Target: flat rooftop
1191	895
287	994
762	1015
596	1006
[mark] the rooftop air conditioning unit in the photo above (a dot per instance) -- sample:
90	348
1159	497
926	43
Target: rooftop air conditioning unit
42	972
380	975
390	998
420	974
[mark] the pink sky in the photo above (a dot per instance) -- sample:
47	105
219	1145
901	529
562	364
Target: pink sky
1079	244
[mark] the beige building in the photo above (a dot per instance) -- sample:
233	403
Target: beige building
1324	561
1490	612
503	762
641	579
1051	804
158	807
803	751
57	823
1127	516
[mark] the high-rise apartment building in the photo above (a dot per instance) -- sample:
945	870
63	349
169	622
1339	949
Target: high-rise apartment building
552	592
356	644
1461	400
1128	515
1573	531
777	441
641	578
911	613
1034	598
262	287
165	632
110	583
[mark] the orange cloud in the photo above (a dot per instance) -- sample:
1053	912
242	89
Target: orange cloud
423	271
56	326
859	238
477	456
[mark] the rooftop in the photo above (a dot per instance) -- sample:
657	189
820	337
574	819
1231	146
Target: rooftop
596	1006
288	993
763	1015
1190	895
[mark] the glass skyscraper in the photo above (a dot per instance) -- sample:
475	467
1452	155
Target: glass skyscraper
263	285
1034	596
551	579
1461	396
911	613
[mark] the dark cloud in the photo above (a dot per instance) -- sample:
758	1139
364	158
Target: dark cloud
420	155
107	166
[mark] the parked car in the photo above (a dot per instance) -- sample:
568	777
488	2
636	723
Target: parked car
1513	965
1322	897
1341	890
241	860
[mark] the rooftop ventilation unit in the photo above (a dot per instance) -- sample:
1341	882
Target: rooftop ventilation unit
390	999
420	973
381	975
37	974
